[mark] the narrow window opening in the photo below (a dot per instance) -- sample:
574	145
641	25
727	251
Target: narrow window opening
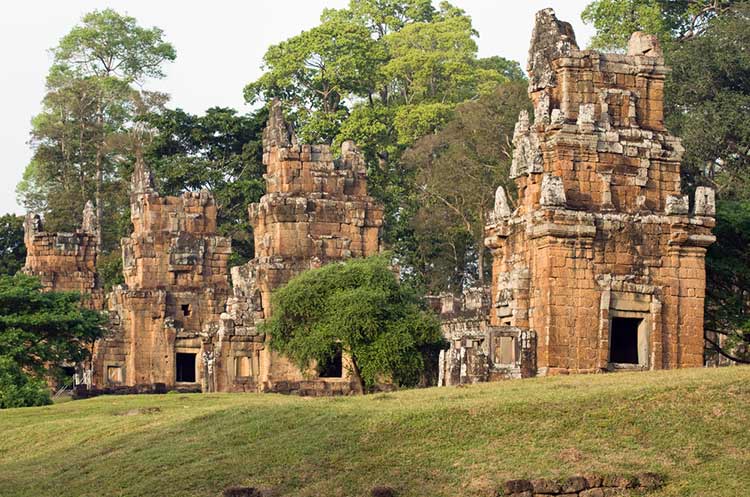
333	367
185	364
185	309
623	342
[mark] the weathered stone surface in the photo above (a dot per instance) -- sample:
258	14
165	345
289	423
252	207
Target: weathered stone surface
176	288
641	43
316	210
511	487
601	231
65	261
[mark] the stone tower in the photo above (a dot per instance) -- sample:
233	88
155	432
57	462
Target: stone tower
176	286
601	256
65	261
316	210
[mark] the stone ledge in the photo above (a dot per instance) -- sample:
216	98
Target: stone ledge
589	485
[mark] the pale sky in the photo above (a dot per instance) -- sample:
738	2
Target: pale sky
220	46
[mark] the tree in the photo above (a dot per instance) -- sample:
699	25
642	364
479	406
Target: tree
39	331
616	20
90	100
220	151
457	171
358	307
12	247
401	68
707	99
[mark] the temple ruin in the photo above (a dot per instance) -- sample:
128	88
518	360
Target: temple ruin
602	257
598	262
176	322
65	261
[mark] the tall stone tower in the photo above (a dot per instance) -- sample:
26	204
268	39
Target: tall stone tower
601	256
176	286
316	210
65	261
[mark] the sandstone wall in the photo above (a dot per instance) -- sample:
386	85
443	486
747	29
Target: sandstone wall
602	233
65	261
176	287
316	210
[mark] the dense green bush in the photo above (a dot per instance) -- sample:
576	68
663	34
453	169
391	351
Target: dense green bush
358	307
19	389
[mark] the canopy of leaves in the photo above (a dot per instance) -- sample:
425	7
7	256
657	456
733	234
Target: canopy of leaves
220	151
616	20
458	169
12	248
19	389
107	43
360	307
39	331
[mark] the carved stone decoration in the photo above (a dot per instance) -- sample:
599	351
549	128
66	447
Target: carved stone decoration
705	201
677	205
550	39
502	209
641	43
553	191
599	198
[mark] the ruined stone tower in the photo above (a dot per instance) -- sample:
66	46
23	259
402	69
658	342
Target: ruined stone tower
65	261
316	210
176	286
601	256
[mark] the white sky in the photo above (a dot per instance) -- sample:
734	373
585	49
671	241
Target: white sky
219	43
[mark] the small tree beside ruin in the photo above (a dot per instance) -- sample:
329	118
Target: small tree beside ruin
360	308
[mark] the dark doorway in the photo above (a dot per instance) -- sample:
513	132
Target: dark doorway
185	309
623	341
333	367
185	367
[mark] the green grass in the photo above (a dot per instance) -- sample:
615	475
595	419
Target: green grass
691	425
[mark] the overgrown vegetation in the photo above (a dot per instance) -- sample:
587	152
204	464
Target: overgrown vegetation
690	425
39	333
359	308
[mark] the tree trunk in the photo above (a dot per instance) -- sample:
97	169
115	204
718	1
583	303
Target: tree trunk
357	376
99	175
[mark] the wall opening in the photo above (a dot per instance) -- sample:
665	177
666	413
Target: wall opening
333	368
114	374
623	341
185	309
185	364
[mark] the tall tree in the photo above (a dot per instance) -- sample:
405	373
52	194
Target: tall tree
401	69
458	169
90	100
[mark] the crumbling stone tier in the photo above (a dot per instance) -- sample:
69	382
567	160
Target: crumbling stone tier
176	322
65	261
598	265
601	255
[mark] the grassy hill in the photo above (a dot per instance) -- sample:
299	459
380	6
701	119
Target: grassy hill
692	425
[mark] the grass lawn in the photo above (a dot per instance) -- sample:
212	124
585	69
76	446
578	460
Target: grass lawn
692	425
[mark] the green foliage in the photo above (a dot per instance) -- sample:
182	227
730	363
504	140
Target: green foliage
359	306
107	43
707	102
12	248
457	170
220	151
84	134
39	331
109	270
19	389
40	328
616	20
